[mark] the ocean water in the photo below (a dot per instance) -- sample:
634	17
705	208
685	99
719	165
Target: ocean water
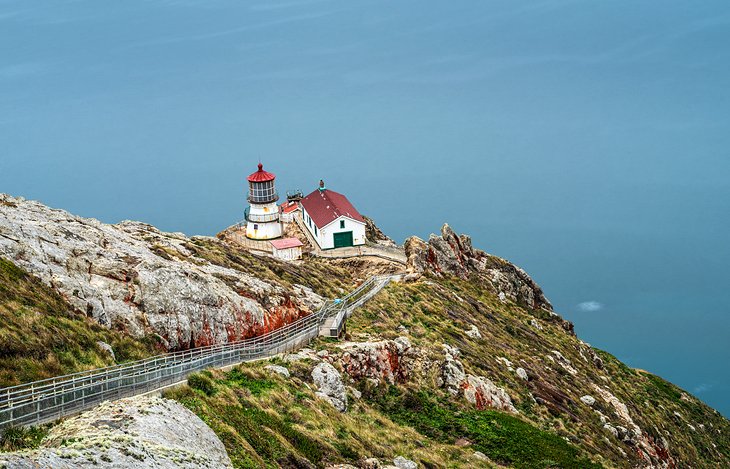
585	141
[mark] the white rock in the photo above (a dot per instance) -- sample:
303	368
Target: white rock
564	362
611	429
480	456
588	400
621	410
450	350
107	348
505	361
534	323
278	370
522	373
142	432
303	354
473	332
402	343
402	463
329	385
452	375
371	463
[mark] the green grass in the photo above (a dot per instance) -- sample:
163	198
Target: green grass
253	436
256	386
42	336
661	388
503	437
265	420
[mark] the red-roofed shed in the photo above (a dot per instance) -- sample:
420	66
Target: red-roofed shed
288	249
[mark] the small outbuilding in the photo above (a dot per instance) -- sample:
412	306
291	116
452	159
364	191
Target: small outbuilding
288	249
289	210
332	220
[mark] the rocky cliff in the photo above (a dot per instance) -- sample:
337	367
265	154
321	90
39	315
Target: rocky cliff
462	364
133	277
451	254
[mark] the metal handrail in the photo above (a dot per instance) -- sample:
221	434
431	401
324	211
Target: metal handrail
262	218
49	399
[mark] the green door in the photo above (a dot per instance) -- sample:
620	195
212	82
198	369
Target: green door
343	239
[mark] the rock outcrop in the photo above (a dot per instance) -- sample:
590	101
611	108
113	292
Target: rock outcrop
478	390
484	394
389	360
134	277
329	385
376	235
402	463
653	452
454	254
279	370
135	433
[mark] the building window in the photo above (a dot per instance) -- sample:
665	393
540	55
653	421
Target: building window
315	231
256	227
342	224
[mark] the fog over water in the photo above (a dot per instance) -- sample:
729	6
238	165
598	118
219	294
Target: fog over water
585	141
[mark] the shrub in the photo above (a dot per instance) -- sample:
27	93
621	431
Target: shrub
203	383
17	438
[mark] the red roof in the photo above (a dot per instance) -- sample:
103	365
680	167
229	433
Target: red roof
327	206
286	243
261	175
288	207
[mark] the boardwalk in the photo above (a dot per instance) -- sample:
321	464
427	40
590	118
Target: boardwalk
50	399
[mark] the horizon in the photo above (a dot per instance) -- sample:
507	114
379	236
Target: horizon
586	143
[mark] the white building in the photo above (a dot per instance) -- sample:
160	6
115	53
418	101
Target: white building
289	210
262	216
332	220
288	249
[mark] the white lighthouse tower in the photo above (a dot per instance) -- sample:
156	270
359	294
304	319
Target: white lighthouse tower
262	216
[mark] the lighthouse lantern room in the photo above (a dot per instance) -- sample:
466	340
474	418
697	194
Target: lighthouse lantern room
262	215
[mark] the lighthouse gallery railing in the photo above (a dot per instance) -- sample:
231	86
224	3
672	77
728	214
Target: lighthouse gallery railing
50	399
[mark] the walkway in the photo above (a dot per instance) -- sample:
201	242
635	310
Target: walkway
50	399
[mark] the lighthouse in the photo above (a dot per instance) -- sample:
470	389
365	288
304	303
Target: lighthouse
262	215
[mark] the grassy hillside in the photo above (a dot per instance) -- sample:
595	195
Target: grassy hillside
440	310
266	420
41	336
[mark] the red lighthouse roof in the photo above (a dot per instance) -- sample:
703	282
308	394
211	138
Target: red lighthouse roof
261	175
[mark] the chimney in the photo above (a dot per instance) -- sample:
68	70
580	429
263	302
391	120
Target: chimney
321	186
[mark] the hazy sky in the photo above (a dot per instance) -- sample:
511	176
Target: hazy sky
587	141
